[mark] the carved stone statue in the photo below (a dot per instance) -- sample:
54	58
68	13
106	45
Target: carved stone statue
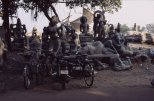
84	26
119	43
18	35
34	40
18	30
52	30
97	48
99	24
111	32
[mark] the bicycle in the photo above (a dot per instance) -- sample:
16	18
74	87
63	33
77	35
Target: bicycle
80	67
33	67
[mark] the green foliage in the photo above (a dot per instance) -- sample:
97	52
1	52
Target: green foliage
13	5
46	6
106	5
124	28
150	28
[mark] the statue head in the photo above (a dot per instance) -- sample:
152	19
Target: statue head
111	27
83	19
54	20
98	16
34	31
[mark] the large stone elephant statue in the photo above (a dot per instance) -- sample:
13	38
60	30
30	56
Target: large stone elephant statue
97	48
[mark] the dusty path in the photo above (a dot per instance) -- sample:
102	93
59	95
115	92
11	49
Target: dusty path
109	85
91	94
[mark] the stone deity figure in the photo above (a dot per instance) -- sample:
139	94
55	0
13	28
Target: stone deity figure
52	30
19	30
34	40
84	26
99	24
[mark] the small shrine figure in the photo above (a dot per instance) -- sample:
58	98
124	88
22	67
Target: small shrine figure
84	26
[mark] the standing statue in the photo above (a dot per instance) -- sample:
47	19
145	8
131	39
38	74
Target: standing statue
52	30
99	24
45	39
84	26
73	40
118	29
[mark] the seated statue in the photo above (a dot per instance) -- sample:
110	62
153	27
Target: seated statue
98	48
84	26
111	32
34	40
18	35
120	43
18	30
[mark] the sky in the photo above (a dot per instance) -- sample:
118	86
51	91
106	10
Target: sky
132	11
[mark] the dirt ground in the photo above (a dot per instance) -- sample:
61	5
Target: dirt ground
139	76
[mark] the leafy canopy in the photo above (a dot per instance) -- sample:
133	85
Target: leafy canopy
46	6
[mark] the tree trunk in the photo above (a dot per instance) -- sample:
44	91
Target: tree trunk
45	11
6	24
54	10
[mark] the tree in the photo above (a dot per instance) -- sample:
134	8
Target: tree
142	29
150	28
106	5
46	6
124	28
9	7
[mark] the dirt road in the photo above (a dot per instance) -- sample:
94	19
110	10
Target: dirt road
92	94
109	85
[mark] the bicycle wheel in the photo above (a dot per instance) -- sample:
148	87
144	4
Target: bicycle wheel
152	82
88	74
26	74
63	85
37	78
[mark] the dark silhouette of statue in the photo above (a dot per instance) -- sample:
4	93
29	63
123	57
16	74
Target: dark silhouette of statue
18	30
134	27
18	34
99	24
73	40
111	32
34	40
51	32
118	29
84	26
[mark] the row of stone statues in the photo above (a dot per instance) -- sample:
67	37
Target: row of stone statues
61	38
